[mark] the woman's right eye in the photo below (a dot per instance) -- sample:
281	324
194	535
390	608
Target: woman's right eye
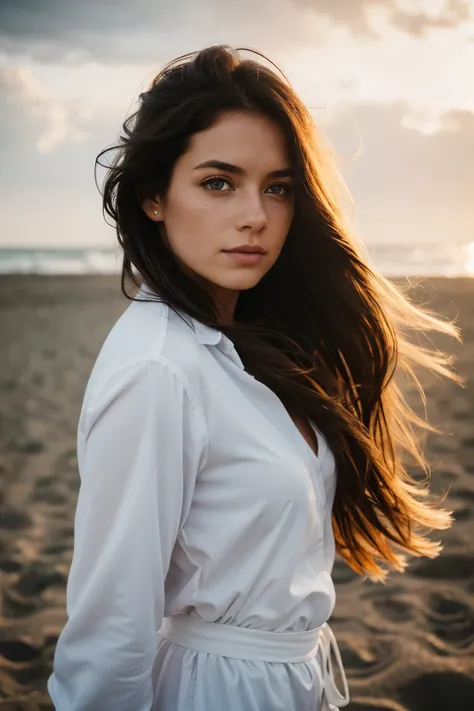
217	179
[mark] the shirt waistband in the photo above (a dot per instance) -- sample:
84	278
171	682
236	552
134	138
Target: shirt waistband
252	644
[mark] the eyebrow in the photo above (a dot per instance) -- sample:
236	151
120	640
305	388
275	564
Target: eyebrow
229	168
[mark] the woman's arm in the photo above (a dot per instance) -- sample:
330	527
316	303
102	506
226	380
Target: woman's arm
144	443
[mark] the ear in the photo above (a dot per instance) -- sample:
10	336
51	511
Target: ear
152	208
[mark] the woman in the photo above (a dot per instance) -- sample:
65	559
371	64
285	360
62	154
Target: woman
256	362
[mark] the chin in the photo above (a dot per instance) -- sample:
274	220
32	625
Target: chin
242	281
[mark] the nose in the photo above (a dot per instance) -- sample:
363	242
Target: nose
253	214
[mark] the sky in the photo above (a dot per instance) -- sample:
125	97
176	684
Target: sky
389	82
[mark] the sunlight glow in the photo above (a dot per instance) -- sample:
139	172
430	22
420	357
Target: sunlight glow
470	263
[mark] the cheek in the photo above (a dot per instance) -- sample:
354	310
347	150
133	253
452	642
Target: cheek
186	245
189	241
194	229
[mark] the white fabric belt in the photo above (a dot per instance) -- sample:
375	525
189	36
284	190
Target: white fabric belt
261	645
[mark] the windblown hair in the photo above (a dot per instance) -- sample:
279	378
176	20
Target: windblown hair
322	329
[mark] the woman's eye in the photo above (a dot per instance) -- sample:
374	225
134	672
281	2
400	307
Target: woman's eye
215	180
286	187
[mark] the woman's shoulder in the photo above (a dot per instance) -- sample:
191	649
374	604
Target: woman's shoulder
147	333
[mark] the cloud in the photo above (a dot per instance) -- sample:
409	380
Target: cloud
74	32
54	121
148	30
407	185
393	71
353	14
412	16
416	18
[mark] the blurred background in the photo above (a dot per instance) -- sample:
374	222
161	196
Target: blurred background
389	82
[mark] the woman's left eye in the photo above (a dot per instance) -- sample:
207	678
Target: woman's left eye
218	179
285	186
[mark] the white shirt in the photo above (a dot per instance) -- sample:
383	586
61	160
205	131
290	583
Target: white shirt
198	495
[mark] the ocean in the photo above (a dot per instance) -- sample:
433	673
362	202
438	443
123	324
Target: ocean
392	260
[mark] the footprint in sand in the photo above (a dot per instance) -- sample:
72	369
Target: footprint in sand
18	651
463	504
392	609
462	513
438	692
14	519
363	656
341	573
447	567
375	705
466	495
451	620
389	603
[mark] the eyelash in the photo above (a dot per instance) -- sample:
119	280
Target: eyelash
288	188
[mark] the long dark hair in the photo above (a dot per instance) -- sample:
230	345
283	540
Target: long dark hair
322	329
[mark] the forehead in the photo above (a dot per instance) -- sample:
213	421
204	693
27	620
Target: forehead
239	135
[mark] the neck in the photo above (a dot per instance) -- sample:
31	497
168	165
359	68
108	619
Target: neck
226	303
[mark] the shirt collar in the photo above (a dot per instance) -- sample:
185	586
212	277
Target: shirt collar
212	337
205	334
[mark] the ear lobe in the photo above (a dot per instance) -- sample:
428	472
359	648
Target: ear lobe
152	209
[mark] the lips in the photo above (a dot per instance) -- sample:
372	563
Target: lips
244	257
246	250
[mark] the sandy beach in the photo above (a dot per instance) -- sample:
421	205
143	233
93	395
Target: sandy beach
407	645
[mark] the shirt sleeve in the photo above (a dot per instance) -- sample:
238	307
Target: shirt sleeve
144	442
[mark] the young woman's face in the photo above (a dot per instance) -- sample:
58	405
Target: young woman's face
208	210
